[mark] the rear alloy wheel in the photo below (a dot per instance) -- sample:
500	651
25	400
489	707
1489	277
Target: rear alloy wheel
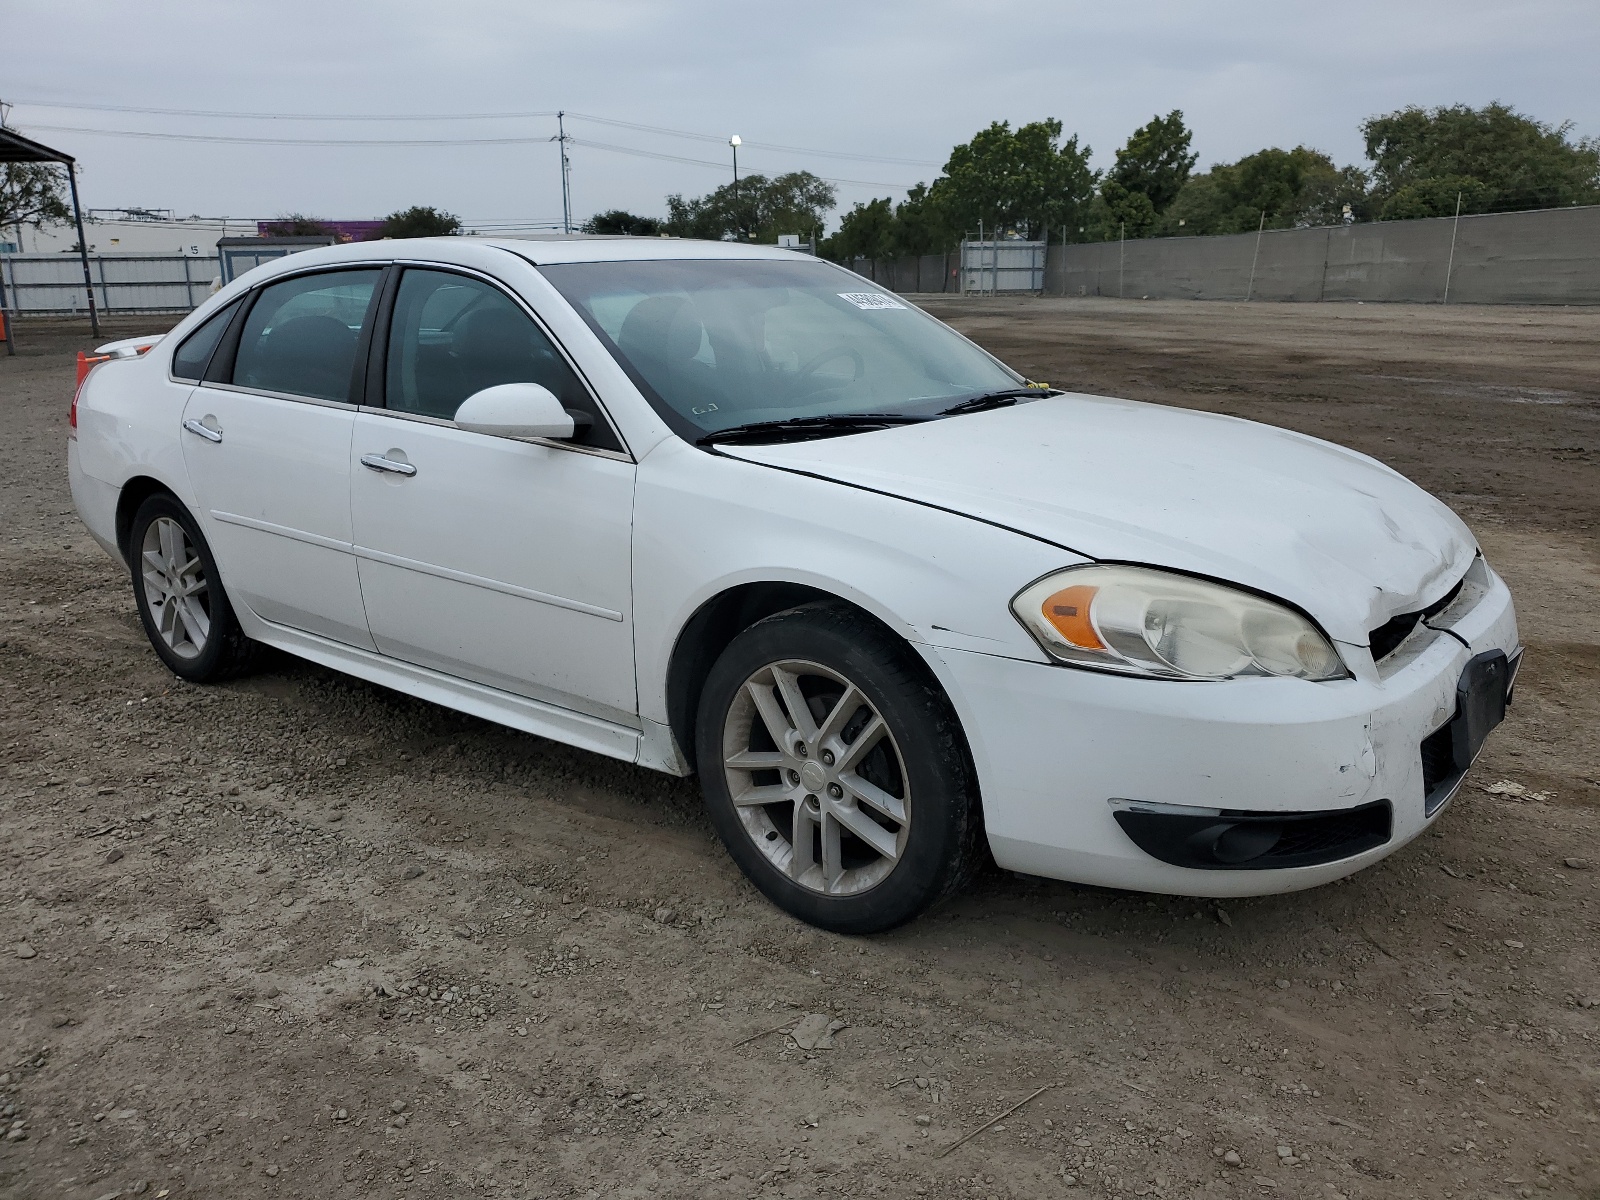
175	587
835	770
185	612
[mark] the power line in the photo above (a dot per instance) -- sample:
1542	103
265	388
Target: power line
599	120
720	166
720	140
260	116
240	139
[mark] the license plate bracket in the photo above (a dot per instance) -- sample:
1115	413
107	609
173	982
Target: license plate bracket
1480	704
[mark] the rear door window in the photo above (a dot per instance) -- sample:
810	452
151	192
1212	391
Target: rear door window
301	335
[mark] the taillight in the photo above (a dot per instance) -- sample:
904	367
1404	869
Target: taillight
86	363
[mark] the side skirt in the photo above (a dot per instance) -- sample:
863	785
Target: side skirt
503	708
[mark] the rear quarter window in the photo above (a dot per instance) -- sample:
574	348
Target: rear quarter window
194	352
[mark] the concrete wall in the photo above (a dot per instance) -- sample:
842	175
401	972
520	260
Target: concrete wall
1548	257
927	273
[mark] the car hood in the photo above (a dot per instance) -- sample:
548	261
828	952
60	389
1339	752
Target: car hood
1334	532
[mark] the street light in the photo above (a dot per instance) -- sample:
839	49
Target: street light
735	141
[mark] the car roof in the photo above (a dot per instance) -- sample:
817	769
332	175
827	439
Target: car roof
558	248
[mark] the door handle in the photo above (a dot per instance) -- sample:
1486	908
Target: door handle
378	462
202	430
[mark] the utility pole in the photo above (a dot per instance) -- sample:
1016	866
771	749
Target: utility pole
738	209
566	174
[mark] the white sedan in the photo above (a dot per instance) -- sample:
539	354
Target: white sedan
731	510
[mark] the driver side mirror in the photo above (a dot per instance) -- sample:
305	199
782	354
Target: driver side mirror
516	410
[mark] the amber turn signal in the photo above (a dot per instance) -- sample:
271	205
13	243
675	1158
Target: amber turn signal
1068	611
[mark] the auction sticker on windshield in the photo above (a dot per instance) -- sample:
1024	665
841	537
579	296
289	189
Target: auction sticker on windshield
870	300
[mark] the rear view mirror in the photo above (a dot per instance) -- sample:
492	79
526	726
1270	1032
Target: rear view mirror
516	410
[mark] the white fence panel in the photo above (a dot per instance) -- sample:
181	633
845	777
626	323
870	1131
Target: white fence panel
1002	266
137	283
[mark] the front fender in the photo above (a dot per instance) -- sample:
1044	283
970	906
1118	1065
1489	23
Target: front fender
704	524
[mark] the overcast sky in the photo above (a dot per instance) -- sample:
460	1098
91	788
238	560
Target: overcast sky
886	80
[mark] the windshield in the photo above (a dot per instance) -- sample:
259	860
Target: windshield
719	343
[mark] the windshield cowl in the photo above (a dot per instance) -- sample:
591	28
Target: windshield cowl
801	429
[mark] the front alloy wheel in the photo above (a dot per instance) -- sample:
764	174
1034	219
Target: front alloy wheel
818	781
835	770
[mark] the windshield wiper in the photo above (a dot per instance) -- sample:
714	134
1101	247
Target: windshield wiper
1000	399
823	426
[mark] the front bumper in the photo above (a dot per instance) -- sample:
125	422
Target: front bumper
1059	751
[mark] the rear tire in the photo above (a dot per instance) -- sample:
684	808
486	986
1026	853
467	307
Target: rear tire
836	771
184	610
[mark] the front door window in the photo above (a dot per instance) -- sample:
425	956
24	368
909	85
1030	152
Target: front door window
454	335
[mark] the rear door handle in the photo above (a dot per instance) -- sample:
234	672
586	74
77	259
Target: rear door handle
378	462
203	430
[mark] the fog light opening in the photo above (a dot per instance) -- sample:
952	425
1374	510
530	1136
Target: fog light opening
1241	843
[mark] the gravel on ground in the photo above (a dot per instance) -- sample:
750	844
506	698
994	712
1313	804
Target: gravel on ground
301	936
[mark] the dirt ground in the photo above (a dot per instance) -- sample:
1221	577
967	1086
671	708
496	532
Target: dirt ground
300	936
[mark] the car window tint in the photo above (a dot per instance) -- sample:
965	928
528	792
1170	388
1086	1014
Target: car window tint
453	335
191	357
300	336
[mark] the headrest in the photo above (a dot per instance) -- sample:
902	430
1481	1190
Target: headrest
663	330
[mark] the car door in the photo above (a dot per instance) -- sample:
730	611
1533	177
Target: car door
266	439
500	560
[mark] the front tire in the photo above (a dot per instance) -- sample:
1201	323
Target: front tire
185	613
835	770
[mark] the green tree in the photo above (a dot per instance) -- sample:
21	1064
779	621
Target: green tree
618	221
1026	179
1325	195
920	225
1291	187
757	208
867	231
1438	198
33	194
1120	212
1496	158
299	225
420	221
1155	162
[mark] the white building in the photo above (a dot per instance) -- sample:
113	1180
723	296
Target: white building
130	231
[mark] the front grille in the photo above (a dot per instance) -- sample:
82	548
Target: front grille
1386	638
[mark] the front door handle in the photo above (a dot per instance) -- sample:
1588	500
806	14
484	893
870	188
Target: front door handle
378	462
202	430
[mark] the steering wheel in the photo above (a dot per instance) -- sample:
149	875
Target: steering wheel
817	360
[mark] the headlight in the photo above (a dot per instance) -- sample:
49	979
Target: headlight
1145	622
